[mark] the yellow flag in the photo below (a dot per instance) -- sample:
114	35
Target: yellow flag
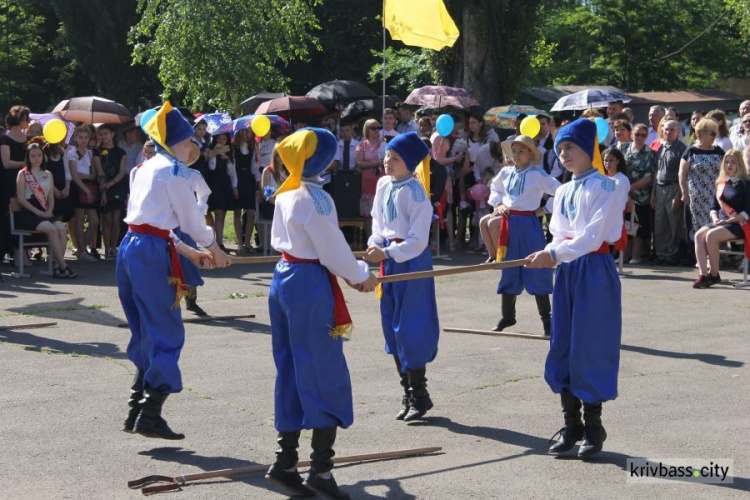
421	23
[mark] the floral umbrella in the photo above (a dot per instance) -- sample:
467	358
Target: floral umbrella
439	96
505	116
247	121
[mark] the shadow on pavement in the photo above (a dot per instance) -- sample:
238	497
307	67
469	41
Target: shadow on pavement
52	346
710	359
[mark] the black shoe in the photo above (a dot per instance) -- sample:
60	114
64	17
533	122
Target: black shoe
136	394
192	306
572	432
503	324
508	307
593	441
545	313
290	481
326	487
419	401
593	432
150	423
407	393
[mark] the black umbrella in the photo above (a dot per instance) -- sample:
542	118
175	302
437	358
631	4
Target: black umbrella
93	109
251	104
330	93
372	106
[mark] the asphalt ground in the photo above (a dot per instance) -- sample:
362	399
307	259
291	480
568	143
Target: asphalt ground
683	394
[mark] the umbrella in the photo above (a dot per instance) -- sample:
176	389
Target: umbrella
251	104
43	118
93	109
293	109
214	121
505	116
329	93
438	96
589	98
367	107
247	121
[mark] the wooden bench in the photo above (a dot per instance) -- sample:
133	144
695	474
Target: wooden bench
38	239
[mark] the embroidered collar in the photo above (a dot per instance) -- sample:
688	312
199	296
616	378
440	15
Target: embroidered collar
585	175
315	181
401	182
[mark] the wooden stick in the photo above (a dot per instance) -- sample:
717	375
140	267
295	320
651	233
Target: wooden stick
496	334
453	270
205	319
27	326
273	259
174	483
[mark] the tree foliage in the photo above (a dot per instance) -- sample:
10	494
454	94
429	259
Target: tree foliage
218	53
23	49
405	69
640	46
739	15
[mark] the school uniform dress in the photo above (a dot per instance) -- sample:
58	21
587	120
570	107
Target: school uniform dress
161	199
584	353
313	389
26	219
246	182
223	180
521	190
401	220
732	198
61	175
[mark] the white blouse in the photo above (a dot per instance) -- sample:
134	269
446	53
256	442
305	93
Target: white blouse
164	200
587	212
83	165
623	187
521	189
401	210
305	225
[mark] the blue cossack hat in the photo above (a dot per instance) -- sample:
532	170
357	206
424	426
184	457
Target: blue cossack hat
410	148
581	132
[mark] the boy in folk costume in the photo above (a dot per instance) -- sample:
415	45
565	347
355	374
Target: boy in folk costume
516	193
584	355
309	316
401	219
149	277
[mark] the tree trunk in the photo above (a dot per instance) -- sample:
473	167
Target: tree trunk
492	53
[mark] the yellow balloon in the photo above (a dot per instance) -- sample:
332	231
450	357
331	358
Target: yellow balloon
530	126
55	131
261	125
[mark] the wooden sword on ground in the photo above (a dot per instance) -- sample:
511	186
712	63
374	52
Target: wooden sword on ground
174	483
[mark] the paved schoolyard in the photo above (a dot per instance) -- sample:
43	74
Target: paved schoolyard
683	394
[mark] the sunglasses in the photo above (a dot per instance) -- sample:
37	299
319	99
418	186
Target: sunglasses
376	128
641	135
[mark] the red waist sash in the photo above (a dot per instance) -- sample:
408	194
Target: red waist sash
341	318
502	240
176	277
604	249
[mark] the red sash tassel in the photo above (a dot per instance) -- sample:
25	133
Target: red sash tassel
504	235
341	317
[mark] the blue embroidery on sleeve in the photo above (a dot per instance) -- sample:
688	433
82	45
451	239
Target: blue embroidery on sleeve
417	191
321	199
608	185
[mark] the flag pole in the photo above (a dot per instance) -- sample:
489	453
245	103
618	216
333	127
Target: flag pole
384	58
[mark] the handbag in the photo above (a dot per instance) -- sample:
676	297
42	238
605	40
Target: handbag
632	225
94	188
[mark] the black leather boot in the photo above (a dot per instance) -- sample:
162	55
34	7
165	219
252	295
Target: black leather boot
320	478
545	312
508	307
573	430
150	423
405	384
191	303
593	432
283	473
419	400
136	394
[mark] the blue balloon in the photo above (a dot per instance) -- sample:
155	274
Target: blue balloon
146	117
602	128
444	125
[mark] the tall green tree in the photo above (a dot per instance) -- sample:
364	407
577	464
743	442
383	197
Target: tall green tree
217	53
22	49
95	36
739	15
639	46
